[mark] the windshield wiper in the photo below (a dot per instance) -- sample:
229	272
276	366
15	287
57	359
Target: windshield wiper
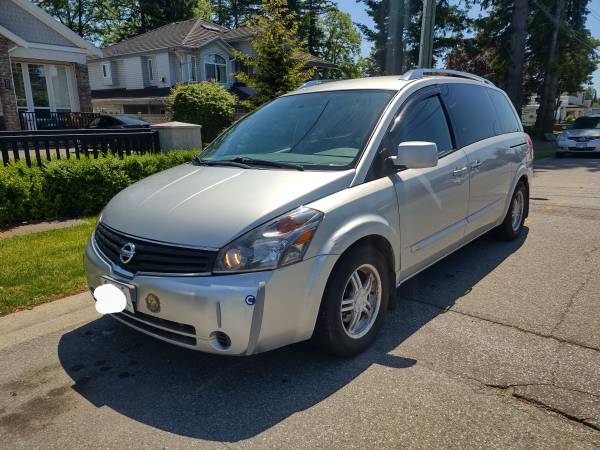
265	162
221	162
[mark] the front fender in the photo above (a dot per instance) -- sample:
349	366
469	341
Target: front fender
370	209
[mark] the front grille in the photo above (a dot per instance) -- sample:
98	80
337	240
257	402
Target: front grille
584	138
153	257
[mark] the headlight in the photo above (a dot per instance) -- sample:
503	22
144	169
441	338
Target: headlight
562	137
280	242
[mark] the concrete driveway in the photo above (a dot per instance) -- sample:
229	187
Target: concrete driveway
497	346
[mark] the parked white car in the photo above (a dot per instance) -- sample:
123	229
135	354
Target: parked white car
583	136
300	220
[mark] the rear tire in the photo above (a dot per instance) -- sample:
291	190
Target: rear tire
352	310
512	225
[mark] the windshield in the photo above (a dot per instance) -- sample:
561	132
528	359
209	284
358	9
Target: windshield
586	123
321	130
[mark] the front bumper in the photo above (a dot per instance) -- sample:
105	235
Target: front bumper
571	146
195	309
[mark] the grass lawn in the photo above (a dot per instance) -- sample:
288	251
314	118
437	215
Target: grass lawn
40	267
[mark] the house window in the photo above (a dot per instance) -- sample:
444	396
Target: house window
45	87
106	70
60	87
192	68
150	70
39	87
216	68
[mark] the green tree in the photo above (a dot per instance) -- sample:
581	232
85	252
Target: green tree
309	13
234	13
451	22
84	17
565	66
280	64
340	44
203	10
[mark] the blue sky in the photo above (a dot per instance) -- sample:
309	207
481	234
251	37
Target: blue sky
358	14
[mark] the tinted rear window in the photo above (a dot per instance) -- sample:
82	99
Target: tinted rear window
472	112
507	120
586	123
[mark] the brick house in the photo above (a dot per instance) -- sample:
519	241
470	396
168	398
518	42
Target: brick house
42	65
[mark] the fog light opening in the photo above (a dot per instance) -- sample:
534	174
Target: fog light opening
220	340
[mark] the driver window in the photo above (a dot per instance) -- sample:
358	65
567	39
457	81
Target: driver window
423	120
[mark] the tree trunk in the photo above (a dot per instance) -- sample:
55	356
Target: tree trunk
516	53
545	116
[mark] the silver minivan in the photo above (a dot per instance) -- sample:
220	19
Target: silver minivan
300	220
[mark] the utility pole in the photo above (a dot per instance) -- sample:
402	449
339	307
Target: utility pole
426	47
394	40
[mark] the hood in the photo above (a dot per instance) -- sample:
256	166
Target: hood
210	206
583	133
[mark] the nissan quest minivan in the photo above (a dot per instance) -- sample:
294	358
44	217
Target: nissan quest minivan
300	220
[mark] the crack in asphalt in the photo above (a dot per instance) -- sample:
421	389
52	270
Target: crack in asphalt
583	421
573	296
504	387
508	325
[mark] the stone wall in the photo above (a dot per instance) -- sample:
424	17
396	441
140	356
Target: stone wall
83	88
7	93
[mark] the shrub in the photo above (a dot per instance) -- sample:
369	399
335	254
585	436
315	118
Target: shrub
72	187
207	103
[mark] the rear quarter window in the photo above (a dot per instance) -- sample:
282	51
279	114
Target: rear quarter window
507	119
472	112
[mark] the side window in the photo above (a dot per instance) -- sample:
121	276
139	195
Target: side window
471	111
506	116
423	120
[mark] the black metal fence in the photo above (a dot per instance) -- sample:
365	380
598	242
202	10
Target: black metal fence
48	120
56	144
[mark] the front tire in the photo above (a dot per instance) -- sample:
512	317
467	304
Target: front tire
560	154
512	225
354	303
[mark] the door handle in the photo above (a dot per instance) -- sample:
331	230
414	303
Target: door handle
459	172
475	164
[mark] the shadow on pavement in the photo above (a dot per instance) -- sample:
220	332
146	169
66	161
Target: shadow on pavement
588	161
229	399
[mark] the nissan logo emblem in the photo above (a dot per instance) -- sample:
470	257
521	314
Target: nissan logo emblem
127	253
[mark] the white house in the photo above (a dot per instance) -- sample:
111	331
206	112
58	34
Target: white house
570	104
135	76
42	65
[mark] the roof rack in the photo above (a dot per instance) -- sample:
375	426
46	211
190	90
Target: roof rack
420	73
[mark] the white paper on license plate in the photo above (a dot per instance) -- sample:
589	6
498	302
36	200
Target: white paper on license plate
581	144
126	289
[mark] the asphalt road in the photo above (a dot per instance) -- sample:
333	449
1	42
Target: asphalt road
496	346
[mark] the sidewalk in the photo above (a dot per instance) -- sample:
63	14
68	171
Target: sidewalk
29	228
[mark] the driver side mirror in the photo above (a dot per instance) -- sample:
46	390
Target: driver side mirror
416	155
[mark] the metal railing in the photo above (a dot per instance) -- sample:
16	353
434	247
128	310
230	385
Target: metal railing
48	120
46	145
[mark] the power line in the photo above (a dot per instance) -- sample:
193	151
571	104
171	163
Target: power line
571	31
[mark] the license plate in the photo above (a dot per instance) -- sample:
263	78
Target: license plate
127	289
581	145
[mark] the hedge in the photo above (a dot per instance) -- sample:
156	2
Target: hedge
207	103
73	187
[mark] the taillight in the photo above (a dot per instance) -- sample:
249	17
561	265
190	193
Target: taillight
530	148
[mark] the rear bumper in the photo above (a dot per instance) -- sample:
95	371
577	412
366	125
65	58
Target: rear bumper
194	309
